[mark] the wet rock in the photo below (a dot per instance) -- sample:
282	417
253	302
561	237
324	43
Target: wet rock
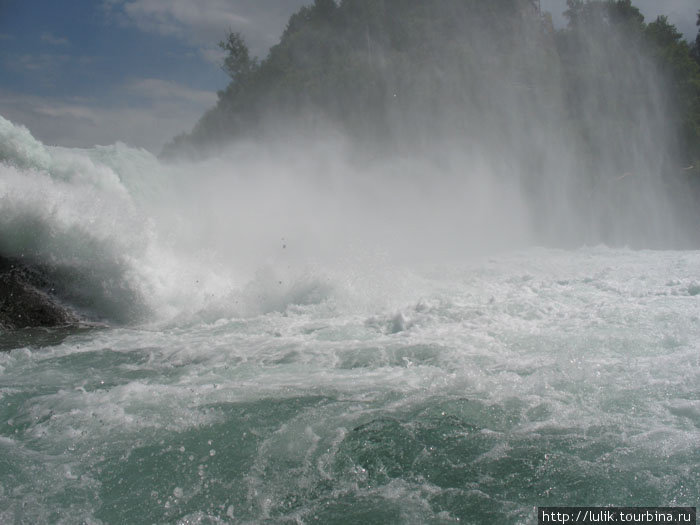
26	299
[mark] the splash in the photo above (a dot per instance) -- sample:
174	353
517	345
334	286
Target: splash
127	238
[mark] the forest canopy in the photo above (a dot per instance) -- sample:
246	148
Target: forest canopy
566	114
360	63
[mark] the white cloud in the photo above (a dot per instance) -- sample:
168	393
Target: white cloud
200	21
166	110
54	40
38	62
203	23
44	62
213	55
158	89
67	110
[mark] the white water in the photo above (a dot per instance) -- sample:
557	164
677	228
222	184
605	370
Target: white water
284	349
132	239
473	391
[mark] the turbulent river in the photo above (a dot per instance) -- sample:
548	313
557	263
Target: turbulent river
536	378
373	391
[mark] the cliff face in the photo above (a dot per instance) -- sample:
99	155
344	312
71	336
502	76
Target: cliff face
26	299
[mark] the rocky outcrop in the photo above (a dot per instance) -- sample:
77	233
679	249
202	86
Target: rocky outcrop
26	298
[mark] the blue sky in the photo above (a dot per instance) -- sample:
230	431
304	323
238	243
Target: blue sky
80	72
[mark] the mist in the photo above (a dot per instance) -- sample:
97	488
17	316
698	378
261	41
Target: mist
477	133
482	131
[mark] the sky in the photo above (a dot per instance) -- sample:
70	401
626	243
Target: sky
85	72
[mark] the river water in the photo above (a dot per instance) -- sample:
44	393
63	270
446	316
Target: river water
468	393
253	358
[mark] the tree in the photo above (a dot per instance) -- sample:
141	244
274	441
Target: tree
325	8
387	69
603	13
674	58
575	8
696	45
663	33
237	63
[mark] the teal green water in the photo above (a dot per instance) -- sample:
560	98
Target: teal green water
476	393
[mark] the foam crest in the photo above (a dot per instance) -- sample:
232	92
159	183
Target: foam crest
73	216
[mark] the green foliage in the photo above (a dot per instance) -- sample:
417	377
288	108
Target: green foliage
237	62
619	14
696	45
360	63
674	58
663	34
377	68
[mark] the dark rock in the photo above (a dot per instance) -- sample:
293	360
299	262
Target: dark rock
26	299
